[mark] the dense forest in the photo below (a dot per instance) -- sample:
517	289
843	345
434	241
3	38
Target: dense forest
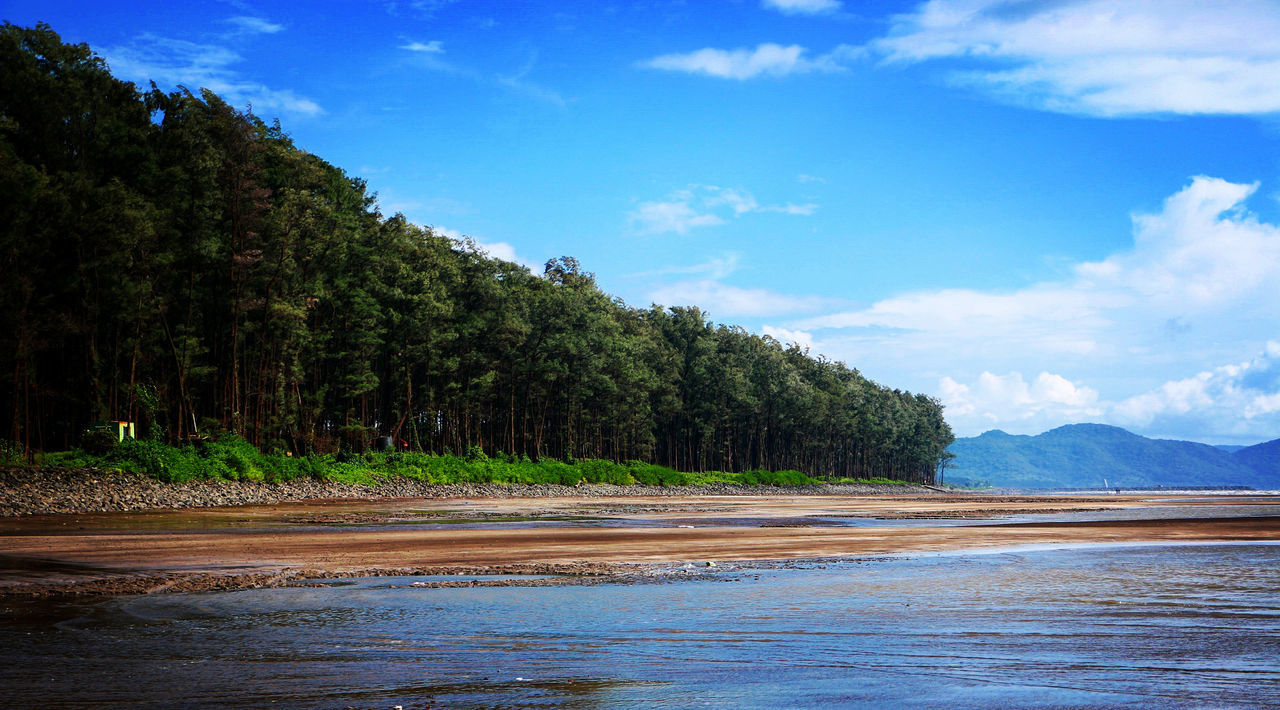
172	260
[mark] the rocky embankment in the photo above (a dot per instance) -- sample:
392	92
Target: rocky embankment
40	490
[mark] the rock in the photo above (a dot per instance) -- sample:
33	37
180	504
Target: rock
34	490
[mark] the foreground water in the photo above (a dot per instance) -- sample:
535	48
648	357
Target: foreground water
1141	626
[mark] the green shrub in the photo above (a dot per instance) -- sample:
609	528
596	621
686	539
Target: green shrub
551	471
75	458
653	475
603	471
230	457
711	478
233	458
777	478
877	481
12	453
97	442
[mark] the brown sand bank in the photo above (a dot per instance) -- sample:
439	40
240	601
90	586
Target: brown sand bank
269	545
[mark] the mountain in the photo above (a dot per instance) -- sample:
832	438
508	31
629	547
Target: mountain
1263	458
1086	455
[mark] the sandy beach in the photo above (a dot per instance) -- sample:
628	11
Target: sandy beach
253	546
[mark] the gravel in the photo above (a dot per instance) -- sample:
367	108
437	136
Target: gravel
42	490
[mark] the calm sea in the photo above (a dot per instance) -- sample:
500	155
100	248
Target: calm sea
1140	626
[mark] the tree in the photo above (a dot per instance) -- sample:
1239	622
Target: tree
170	257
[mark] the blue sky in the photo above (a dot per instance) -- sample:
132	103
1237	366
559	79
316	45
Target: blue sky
1042	212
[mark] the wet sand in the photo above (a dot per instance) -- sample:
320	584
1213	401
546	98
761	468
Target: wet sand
122	553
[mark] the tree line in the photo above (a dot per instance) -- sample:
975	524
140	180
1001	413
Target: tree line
169	259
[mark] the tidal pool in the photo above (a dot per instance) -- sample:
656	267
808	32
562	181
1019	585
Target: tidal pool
1136	626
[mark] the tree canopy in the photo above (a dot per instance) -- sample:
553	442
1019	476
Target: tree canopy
169	259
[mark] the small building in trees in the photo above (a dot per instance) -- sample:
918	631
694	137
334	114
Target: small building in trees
118	428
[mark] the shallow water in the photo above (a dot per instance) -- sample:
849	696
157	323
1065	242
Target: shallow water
1161	512
1142	626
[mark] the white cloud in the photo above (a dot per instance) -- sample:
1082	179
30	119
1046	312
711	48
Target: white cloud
1201	283
782	335
418	209
766	59
497	250
704	206
1104	57
809	178
717	268
802	7
1239	401
172	62
1174	397
741	201
1054	318
518	84
672	216
1242	392
453	234
1200	253
255	25
802	210
708	291
424	9
432	47
723	300
429	55
1002	400
507	252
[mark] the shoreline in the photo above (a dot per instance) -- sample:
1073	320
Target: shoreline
535	575
539	575
49	490
573	539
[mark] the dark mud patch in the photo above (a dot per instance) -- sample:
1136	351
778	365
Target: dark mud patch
550	692
437	577
516	519
968	514
12	567
649	508
520	575
433	518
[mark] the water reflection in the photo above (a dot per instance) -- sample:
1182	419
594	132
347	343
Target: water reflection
1170	626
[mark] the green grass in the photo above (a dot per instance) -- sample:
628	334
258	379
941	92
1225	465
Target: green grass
234	459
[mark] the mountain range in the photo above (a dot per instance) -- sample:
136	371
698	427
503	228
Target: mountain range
1094	455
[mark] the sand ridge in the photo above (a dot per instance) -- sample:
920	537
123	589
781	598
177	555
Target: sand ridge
270	545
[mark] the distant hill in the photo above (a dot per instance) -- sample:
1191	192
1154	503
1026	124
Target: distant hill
1084	455
1263	458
